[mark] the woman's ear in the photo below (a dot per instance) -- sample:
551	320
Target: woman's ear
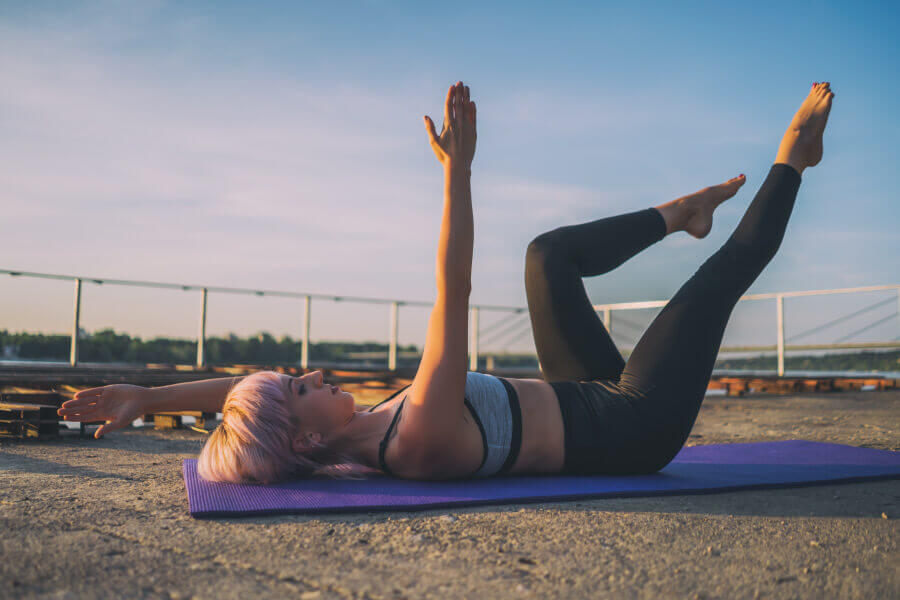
304	441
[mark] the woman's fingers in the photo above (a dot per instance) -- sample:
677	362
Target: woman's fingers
458	105
66	411
104	429
455	141
448	107
81	401
429	127
85	415
89	392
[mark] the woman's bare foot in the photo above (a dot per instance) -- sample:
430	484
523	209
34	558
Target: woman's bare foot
801	145
693	213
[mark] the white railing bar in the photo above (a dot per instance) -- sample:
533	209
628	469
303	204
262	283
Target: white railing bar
247	291
76	325
473	340
304	347
393	332
779	319
606	310
201	337
338	298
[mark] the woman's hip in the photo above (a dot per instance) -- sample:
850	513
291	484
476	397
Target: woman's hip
616	428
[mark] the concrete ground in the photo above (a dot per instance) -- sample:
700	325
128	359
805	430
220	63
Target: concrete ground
109	518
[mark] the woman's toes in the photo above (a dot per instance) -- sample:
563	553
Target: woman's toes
726	190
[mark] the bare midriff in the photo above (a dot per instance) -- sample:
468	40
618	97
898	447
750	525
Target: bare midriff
543	444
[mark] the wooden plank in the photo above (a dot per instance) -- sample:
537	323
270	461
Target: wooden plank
29	430
167	421
53	399
28	406
738	385
173	419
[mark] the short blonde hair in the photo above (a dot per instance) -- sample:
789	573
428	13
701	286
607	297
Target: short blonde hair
254	442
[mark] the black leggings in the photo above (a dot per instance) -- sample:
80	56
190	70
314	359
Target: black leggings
634	417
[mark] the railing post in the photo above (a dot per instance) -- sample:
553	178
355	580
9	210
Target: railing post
73	352
201	338
779	305
473	351
392	347
607	319
304	347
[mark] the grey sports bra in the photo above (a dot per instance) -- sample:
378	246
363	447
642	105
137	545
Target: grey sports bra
494	405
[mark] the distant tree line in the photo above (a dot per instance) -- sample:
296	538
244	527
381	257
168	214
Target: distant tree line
108	346
855	361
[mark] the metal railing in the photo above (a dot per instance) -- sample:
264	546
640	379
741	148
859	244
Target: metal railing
780	346
306	298
605	310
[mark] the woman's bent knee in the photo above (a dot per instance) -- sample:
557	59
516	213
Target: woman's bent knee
543	249
542	244
537	257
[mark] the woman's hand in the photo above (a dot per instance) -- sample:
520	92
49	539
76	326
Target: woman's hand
455	147
118	405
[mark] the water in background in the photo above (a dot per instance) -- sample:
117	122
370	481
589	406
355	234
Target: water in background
789	373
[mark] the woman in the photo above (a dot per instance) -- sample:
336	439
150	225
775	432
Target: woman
593	413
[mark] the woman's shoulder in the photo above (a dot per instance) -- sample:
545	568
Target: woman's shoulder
413	454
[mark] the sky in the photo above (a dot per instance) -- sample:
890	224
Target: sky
281	146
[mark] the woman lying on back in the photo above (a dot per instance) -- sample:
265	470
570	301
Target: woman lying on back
592	413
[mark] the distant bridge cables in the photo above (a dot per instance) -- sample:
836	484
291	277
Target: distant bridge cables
819	328
866	328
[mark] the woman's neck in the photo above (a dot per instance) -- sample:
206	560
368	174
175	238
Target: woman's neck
361	437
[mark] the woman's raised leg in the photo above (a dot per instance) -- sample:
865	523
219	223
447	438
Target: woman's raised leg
670	366
572	343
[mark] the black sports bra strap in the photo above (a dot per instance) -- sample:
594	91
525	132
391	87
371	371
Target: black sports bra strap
382	447
389	398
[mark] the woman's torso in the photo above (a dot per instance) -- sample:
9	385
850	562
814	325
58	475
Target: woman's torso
542	443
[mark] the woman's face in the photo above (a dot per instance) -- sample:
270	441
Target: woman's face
318	406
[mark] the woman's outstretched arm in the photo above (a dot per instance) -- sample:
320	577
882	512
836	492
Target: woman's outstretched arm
120	404
436	395
207	395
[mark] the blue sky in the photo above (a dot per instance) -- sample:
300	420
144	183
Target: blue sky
280	145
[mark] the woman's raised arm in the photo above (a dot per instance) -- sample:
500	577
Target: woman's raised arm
437	393
455	148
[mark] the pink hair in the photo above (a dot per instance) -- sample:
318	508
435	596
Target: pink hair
254	441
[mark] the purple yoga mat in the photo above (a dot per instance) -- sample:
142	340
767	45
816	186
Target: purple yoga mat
696	470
